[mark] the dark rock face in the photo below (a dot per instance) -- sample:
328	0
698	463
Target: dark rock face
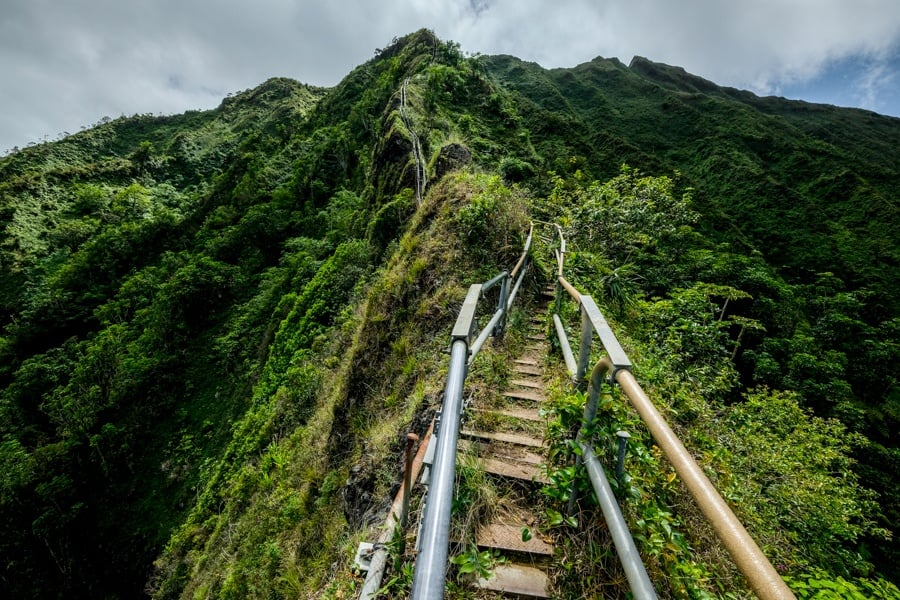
357	494
451	156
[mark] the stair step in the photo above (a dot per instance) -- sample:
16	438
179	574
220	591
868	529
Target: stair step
499	436
506	536
529	383
511	460
524	395
517	580
516	454
526	361
526	414
511	453
527	370
525	472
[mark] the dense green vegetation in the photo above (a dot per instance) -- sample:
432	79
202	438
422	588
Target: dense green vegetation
215	326
790	475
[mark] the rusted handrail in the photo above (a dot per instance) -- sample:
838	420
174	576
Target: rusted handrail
396	516
760	574
521	261
576	295
762	577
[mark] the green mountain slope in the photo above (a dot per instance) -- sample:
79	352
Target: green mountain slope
787	178
215	326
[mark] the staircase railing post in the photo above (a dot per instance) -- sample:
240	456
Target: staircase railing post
501	305
584	349
622	439
602	367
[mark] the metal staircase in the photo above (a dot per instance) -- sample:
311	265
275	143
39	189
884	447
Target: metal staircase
513	452
506	441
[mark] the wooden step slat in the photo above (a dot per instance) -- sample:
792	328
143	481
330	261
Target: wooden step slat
526	361
518	580
524	395
526	414
527	370
516	454
504	452
499	436
535	384
508	537
512	470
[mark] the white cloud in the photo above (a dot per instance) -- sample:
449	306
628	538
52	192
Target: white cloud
65	64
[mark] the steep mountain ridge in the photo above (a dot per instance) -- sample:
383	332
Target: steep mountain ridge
741	152
216	324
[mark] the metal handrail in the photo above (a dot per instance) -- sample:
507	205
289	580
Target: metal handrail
431	563
753	564
521	260
631	561
635	572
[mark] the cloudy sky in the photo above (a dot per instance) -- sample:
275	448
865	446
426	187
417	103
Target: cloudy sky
64	64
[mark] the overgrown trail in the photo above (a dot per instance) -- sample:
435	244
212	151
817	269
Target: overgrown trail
504	438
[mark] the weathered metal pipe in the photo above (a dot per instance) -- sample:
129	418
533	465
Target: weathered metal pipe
607	338
524	252
764	580
622	437
564	346
485	334
576	295
515	290
584	346
431	564
603	366
500	327
629	556
491	283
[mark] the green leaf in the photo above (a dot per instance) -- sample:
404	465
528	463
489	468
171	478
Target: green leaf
554	517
